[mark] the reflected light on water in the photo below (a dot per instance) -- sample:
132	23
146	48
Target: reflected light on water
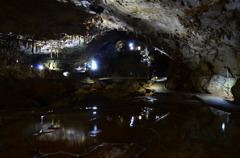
151	99
54	131
115	130
42	119
132	121
146	112
95	131
72	136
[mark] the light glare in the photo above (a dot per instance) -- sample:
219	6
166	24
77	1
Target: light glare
94	65
132	121
40	67
131	46
66	74
94	108
223	126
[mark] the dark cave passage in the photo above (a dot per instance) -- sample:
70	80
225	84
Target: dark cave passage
126	54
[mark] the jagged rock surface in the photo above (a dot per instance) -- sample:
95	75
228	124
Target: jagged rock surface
206	34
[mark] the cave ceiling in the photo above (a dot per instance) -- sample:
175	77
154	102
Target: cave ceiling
186	26
42	18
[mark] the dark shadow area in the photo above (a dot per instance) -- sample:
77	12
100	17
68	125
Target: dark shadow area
126	54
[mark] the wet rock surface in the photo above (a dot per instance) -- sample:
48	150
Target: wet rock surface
22	86
205	41
28	87
202	79
203	36
112	90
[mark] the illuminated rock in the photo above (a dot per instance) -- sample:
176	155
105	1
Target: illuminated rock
203	35
221	86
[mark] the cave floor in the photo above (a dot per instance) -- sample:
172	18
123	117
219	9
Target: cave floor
167	125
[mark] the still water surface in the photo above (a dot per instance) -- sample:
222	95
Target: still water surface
123	130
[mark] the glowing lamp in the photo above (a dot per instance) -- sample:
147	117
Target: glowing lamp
223	126
131	46
94	65
40	67
94	108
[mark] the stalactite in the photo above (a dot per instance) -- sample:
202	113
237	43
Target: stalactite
51	54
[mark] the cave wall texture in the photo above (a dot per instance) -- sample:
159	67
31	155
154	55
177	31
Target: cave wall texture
202	37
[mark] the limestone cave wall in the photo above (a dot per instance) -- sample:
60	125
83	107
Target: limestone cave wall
204	35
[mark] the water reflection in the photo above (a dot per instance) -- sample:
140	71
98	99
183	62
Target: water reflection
95	131
42	119
55	126
132	121
73	128
158	118
146	116
75	131
146	112
54	131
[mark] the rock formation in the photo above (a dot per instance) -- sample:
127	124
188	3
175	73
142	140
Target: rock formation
202	36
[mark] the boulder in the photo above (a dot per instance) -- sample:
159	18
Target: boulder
221	86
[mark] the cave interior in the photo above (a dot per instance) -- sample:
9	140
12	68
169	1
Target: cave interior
124	78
